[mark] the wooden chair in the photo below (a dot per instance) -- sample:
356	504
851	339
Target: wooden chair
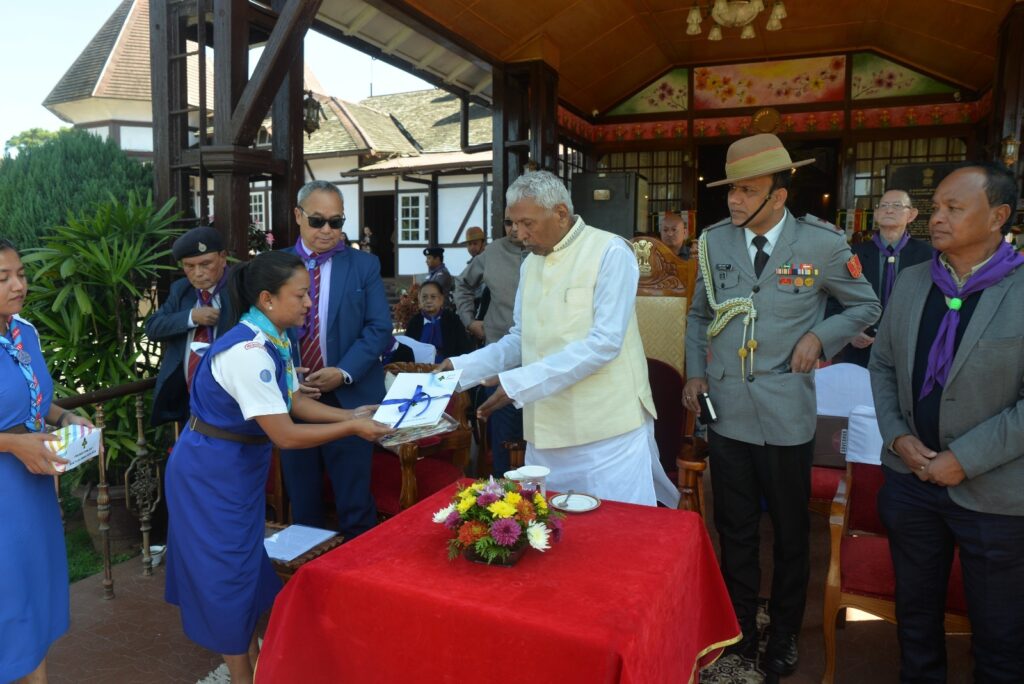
277	498
860	572
662	302
420	468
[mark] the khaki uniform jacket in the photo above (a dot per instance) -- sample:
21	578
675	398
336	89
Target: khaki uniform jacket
776	406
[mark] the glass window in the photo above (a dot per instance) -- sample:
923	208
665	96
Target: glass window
412	222
257	210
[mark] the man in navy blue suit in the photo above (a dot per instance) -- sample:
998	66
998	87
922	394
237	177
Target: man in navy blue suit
338	350
191	317
883	257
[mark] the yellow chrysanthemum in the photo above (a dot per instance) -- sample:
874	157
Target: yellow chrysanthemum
502	509
477	486
465	504
513	498
540	503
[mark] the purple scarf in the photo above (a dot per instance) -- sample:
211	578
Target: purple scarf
890	263
314	260
940	356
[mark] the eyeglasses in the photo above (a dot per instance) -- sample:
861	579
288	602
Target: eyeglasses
335	222
895	206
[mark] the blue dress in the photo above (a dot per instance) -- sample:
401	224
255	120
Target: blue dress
34	608
218	572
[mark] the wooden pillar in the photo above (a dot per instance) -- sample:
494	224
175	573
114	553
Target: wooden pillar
230	74
544	116
1008	88
169	99
524	127
287	141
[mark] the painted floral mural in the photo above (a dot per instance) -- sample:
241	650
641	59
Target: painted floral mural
794	81
875	77
670	93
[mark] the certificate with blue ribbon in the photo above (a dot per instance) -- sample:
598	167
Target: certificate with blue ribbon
417	399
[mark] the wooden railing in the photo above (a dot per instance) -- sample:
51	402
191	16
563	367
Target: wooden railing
141	480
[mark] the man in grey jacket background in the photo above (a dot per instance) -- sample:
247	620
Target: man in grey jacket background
498	269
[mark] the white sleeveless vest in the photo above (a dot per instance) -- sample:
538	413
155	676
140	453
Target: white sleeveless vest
558	308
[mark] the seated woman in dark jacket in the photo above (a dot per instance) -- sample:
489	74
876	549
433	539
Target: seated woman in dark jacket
438	325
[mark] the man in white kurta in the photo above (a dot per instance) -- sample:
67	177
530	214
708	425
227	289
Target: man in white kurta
573	359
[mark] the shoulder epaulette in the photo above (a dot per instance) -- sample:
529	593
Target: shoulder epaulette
812	220
723	222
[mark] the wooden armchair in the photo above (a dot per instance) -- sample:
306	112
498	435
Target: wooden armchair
418	469
662	302
860	572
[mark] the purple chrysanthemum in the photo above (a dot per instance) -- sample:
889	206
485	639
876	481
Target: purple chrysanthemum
453	521
486	499
555	525
505	531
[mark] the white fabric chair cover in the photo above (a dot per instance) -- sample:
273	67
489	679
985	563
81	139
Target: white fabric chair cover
421	351
840	387
864	441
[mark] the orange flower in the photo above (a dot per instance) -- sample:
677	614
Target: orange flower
471	532
525	511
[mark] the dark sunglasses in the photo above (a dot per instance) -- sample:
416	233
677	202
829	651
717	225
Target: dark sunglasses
335	222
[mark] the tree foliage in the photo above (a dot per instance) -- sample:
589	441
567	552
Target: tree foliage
67	175
33	137
92	283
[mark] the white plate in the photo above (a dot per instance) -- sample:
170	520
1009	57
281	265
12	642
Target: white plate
577	503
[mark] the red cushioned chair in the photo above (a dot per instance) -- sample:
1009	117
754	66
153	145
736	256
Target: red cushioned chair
418	469
682	455
860	572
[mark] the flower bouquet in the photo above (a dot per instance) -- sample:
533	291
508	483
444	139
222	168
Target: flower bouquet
495	520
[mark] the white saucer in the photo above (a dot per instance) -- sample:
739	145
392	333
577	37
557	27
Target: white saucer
576	503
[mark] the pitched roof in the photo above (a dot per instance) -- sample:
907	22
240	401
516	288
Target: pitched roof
335	134
115	64
378	129
433	161
432	118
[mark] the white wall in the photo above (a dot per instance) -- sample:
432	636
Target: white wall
137	138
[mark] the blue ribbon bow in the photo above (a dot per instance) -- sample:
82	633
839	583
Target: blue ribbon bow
405	405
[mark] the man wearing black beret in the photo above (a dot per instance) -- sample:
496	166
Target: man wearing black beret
438	272
189	319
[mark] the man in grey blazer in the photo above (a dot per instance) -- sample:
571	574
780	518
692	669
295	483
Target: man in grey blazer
947	374
759	307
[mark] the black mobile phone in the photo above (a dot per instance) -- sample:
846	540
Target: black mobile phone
708	415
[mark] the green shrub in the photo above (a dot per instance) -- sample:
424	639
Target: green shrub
67	174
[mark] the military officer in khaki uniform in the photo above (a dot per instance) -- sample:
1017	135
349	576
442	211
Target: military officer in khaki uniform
759	305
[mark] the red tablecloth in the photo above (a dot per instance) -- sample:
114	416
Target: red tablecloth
630	594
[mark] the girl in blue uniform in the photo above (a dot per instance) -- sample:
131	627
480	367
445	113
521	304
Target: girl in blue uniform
243	398
33	563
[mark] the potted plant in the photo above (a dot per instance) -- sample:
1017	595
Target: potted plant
91	288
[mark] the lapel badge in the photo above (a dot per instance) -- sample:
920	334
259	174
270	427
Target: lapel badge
808	281
785	280
854	267
891	260
798	281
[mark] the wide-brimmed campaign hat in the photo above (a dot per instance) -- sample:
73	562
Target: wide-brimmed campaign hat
755	156
474	233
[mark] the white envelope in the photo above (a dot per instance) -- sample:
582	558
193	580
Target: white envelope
77	444
438	387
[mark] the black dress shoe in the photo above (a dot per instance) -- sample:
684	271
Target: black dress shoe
781	655
745	648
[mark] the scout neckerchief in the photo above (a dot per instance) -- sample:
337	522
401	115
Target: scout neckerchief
891	253
281	343
940	356
313	262
13	345
728	310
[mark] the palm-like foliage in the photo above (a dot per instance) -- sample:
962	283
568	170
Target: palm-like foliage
92	284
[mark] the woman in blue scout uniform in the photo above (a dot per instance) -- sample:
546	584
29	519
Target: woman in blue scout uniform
243	398
33	563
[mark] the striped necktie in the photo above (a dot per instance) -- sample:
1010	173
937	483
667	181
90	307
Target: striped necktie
309	349
201	336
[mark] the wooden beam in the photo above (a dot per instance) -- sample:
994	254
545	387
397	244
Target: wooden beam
286	148
234	158
230	64
285	41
